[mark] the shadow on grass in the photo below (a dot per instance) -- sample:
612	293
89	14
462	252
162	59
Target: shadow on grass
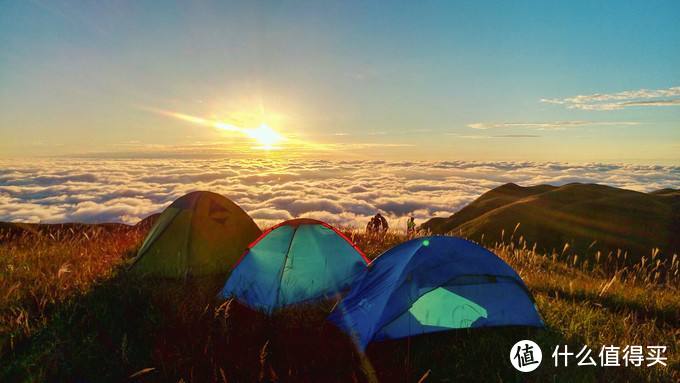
162	330
88	337
166	331
467	355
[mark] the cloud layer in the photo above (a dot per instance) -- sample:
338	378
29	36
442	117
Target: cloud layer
340	192
620	100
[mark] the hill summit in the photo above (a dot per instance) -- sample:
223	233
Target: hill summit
589	217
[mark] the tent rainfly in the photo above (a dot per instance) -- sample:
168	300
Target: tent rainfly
296	261
201	233
434	284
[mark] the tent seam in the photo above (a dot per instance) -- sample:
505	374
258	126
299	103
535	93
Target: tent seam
283	268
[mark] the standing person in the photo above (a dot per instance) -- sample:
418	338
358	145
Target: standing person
411	226
374	225
371	226
381	223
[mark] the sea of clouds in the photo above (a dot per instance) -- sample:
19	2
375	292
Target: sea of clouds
344	193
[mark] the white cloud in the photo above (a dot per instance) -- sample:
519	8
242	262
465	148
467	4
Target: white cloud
340	192
550	125
620	100
670	102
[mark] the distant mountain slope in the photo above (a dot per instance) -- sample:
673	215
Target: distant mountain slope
58	231
578	214
9	230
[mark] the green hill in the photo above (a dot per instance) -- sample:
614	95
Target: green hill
589	217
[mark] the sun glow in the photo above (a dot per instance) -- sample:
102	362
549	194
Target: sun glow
265	136
254	127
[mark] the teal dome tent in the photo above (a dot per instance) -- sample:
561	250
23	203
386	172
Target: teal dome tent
296	261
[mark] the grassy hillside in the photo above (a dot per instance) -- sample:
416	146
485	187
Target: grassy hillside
493	199
69	312
587	217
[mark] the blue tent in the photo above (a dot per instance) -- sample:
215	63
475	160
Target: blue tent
296	261
434	284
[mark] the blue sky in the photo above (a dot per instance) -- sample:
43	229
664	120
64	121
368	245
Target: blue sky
428	80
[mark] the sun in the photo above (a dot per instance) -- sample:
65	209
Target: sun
265	136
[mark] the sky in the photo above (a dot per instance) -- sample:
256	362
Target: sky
569	81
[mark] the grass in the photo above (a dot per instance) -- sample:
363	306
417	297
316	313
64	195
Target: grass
69	312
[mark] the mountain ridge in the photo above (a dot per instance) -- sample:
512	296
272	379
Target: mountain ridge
590	217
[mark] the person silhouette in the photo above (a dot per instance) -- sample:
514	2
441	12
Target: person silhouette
377	224
411	226
382	223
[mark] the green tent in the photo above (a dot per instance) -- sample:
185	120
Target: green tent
201	233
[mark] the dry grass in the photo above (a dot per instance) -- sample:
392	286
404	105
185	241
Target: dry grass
68	313
605	304
41	269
